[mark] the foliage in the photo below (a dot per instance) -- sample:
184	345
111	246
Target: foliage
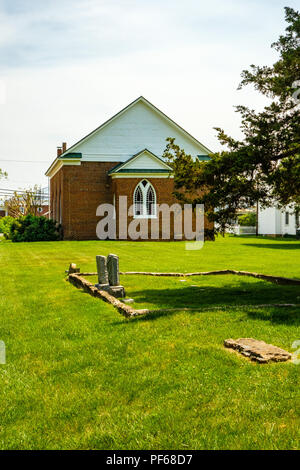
25	202
263	167
31	228
5	224
247	220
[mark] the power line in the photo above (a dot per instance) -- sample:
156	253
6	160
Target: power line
12	190
26	161
40	196
39	190
42	193
18	182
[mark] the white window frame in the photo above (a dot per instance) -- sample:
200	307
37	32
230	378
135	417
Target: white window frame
144	191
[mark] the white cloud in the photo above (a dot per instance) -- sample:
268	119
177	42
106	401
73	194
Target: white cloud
69	65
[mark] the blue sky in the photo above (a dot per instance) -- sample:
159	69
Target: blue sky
68	65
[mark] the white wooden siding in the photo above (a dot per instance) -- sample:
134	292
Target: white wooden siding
145	161
137	128
271	221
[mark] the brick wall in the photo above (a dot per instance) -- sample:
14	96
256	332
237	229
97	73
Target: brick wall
163	188
84	187
77	191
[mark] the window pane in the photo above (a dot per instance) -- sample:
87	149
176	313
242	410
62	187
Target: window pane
144	199
138	201
150	201
287	218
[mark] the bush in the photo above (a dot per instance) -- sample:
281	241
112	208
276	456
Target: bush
5	224
247	220
33	229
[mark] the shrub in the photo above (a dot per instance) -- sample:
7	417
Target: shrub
32	229
247	220
5	224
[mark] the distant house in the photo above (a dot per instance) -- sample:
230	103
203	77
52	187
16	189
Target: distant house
3	211
277	222
43	210
122	157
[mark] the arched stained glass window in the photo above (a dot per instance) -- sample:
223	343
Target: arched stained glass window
144	200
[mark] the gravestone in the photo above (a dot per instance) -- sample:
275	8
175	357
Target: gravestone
113	270
102	269
108	275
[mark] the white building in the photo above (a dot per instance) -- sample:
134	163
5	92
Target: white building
277	222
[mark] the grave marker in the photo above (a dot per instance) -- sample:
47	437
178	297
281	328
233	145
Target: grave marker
102	269
113	270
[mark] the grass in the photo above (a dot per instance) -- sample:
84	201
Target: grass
80	376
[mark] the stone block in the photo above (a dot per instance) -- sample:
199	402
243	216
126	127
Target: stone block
115	291
73	269
128	301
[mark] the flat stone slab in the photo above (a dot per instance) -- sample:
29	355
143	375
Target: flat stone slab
128	301
258	350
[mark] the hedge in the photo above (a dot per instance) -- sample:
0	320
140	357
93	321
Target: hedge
31	228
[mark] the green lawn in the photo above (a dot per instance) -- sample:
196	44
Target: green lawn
80	376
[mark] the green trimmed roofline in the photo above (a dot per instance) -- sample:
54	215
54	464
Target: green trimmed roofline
71	155
203	157
142	170
118	167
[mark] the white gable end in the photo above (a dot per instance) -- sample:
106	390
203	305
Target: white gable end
145	161
139	126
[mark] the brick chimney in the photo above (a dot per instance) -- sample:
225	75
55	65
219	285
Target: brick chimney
59	151
64	147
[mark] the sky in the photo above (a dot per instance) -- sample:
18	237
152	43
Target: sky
66	66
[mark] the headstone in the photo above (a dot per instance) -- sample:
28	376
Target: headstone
102	269
113	270
108	275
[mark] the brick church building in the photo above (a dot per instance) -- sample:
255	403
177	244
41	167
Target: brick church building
122	157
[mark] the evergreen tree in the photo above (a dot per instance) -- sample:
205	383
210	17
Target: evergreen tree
265	165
